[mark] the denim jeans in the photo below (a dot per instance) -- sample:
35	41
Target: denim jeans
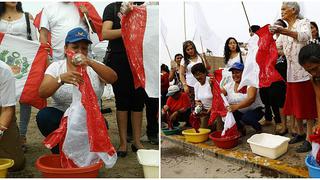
25	112
48	120
250	117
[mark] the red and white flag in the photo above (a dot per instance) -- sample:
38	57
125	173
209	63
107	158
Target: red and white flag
27	60
82	135
315	141
259	66
219	104
140	34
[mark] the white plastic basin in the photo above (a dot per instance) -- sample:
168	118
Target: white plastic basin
149	159
268	145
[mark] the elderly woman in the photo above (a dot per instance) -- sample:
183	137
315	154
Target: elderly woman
309	59
191	57
245	104
61	76
300	97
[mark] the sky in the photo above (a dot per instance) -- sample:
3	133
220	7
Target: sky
226	18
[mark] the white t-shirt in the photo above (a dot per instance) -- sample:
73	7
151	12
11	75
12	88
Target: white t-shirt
190	79
59	18
203	93
235	98
62	98
7	86
18	28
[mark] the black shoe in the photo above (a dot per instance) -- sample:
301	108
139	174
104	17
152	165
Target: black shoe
304	147
153	140
134	148
121	153
297	138
107	110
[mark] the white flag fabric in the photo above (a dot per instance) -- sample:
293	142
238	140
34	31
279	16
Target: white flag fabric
208	37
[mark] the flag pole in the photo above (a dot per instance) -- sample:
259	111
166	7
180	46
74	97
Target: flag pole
165	43
184	20
90	28
245	12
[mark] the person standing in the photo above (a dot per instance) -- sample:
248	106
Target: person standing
15	22
128	99
300	96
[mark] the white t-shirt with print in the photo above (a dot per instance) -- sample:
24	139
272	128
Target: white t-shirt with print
190	79
203	93
62	98
59	18
7	86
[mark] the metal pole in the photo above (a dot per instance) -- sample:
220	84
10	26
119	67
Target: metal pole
165	43
245	12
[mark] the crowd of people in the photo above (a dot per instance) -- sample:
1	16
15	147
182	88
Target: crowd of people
295	98
62	25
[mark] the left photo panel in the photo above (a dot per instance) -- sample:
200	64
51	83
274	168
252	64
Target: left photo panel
79	89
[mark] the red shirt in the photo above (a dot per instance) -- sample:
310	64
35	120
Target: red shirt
182	102
164	82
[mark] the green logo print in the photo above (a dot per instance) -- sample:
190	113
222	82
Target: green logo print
19	65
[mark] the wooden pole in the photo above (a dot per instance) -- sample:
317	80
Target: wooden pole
184	20
245	12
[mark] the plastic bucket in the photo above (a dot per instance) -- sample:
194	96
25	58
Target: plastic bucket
49	166
314	171
192	136
149	159
225	143
168	131
5	164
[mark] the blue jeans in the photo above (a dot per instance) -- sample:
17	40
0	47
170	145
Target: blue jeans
251	117
25	112
48	120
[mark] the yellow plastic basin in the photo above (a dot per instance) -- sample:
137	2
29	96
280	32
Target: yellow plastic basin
4	165
192	136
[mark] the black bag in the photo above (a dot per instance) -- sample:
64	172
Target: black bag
28	26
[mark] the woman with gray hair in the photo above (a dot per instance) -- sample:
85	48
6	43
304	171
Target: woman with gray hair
300	96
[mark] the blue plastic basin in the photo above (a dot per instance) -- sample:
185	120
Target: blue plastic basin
314	169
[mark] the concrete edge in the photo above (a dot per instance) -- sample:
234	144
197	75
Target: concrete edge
275	166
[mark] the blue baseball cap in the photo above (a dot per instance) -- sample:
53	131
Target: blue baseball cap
237	66
77	34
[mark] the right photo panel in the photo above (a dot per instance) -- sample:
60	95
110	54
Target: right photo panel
240	89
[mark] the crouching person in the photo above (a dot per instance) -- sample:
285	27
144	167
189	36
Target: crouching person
177	108
245	104
10	146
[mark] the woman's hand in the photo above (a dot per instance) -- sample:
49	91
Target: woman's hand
275	29
71	77
316	129
84	10
232	108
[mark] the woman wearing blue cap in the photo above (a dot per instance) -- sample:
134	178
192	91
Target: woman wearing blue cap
61	76
245	104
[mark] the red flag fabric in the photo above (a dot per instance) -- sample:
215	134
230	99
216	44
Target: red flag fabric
83	135
93	15
27	60
315	140
259	68
195	121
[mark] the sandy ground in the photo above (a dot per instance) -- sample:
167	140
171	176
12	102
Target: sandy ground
179	162
124	168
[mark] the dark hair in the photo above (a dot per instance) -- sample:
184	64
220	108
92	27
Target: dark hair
227	51
3	7
254	28
185	54
282	23
165	68
316	26
175	56
309	54
199	67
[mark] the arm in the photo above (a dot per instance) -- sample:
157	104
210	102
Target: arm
108	33
7	114
183	79
252	92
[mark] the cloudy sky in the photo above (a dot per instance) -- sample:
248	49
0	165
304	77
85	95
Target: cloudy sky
225	18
